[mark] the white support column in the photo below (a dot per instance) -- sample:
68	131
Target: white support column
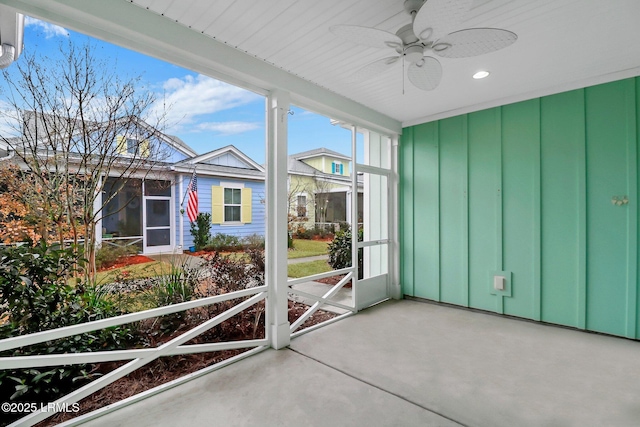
97	205
354	217
181	211
276	235
394	241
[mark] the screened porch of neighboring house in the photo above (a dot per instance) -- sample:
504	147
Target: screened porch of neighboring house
496	282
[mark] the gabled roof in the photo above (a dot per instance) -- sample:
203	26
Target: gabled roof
318	152
229	149
172	140
31	119
203	165
298	167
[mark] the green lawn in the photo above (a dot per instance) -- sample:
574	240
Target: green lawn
308	268
304	248
136	271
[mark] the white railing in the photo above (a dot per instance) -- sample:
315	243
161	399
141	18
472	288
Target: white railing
137	357
325	299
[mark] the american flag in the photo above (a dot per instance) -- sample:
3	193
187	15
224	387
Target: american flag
192	203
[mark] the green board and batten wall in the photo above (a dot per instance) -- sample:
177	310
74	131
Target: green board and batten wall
525	191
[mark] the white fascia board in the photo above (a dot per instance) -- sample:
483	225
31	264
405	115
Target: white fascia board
219	174
220	151
133	27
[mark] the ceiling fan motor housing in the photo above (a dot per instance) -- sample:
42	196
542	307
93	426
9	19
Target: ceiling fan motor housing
413	54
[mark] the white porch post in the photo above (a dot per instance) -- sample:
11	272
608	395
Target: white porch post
394	232
97	204
180	211
276	234
354	219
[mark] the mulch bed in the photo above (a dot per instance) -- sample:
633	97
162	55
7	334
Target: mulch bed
165	369
126	261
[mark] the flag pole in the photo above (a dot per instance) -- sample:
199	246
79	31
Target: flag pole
187	191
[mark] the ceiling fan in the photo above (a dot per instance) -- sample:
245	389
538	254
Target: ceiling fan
433	31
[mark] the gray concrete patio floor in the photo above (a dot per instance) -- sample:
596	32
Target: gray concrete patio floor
408	363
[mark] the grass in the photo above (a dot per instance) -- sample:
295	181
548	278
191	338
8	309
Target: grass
304	248
308	268
136	271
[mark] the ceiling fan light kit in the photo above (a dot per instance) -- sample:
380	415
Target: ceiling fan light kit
481	74
434	30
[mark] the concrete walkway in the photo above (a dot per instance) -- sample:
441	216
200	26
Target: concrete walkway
308	259
407	363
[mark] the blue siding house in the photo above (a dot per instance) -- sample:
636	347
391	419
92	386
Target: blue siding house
146	207
230	187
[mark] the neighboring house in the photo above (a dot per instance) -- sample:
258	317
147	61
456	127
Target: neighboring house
320	185
230	187
147	210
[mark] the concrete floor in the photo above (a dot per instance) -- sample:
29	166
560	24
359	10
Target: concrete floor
408	363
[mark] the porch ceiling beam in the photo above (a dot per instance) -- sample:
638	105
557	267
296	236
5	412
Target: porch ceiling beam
130	26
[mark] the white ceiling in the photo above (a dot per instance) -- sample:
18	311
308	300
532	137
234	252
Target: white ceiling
562	45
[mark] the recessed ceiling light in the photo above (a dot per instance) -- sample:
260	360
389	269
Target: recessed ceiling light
480	75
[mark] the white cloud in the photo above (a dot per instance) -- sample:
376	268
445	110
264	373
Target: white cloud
229	128
50	30
188	99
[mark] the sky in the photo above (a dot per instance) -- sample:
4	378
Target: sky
205	113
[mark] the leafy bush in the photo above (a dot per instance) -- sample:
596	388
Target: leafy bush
230	273
303	233
109	254
224	242
36	296
201	230
253	241
340	251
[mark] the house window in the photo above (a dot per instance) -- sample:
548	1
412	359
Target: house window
232	204
132	146
302	206
337	168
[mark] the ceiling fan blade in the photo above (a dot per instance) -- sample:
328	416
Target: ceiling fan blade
473	42
373	69
437	18
367	36
425	74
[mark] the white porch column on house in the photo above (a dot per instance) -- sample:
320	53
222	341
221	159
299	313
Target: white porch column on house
97	205
276	234
180	211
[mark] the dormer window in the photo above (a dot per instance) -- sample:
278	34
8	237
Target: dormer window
337	168
132	146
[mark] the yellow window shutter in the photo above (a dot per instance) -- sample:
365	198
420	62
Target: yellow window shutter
121	144
246	206
217	207
144	148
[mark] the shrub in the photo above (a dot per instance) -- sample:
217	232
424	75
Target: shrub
201	230
230	273
173	288
303	233
340	251
108	254
36	296
253	241
224	242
